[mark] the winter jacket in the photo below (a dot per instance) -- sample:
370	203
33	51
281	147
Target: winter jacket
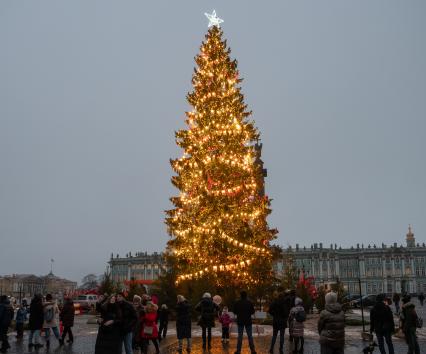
331	326
36	315
149	320
129	316
183	320
296	327
21	315
381	319
244	309
208	311
67	314
50	306
279	310
408	317
225	319
109	339
6	314
163	315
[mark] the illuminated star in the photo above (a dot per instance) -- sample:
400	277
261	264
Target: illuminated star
213	19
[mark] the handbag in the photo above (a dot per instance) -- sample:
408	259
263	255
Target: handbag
148	330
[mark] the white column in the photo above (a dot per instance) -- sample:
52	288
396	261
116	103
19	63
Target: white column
336	267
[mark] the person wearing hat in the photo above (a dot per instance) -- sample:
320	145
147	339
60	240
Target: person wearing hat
331	326
409	320
208	309
183	323
382	323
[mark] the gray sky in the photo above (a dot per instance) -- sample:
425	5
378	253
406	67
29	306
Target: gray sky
91	93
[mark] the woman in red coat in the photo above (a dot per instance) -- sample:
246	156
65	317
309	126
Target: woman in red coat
149	330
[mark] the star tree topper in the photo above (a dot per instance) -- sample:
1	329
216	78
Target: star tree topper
213	19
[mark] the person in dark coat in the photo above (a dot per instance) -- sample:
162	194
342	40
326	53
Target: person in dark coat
140	311
21	317
6	317
396	298
36	321
208	309
279	310
382	323
244	309
183	323
409	324
128	323
163	317
421	298
67	317
331	326
109	339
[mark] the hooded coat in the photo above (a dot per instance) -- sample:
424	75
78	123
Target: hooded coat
36	314
296	327
408	317
279	310
6	314
183	319
67	314
208	311
331	325
50	306
381	319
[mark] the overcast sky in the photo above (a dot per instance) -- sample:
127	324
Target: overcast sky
91	93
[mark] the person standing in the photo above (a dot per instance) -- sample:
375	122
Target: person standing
409	320
67	317
149	330
382	323
331	326
296	318
36	321
421	298
109	339
50	312
279	310
225	320
6	317
396	298
183	323
21	317
163	317
208	309
244	309
140	311
128	322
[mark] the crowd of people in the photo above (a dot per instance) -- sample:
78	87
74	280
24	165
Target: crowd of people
134	325
44	316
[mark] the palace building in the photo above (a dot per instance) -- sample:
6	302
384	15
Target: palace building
381	269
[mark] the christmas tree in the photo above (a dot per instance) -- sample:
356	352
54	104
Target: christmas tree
218	225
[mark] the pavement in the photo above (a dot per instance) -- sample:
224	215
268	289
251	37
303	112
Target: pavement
85	337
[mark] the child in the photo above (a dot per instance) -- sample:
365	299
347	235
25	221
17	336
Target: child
295	320
225	320
21	317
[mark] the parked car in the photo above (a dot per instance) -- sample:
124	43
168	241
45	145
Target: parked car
367	301
86	302
350	298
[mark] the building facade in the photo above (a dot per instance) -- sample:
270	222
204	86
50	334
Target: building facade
27	285
384	269
141	267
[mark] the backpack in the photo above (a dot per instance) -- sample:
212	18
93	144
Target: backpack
49	314
300	316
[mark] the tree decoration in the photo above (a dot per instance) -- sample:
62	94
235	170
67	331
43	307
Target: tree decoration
218	225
